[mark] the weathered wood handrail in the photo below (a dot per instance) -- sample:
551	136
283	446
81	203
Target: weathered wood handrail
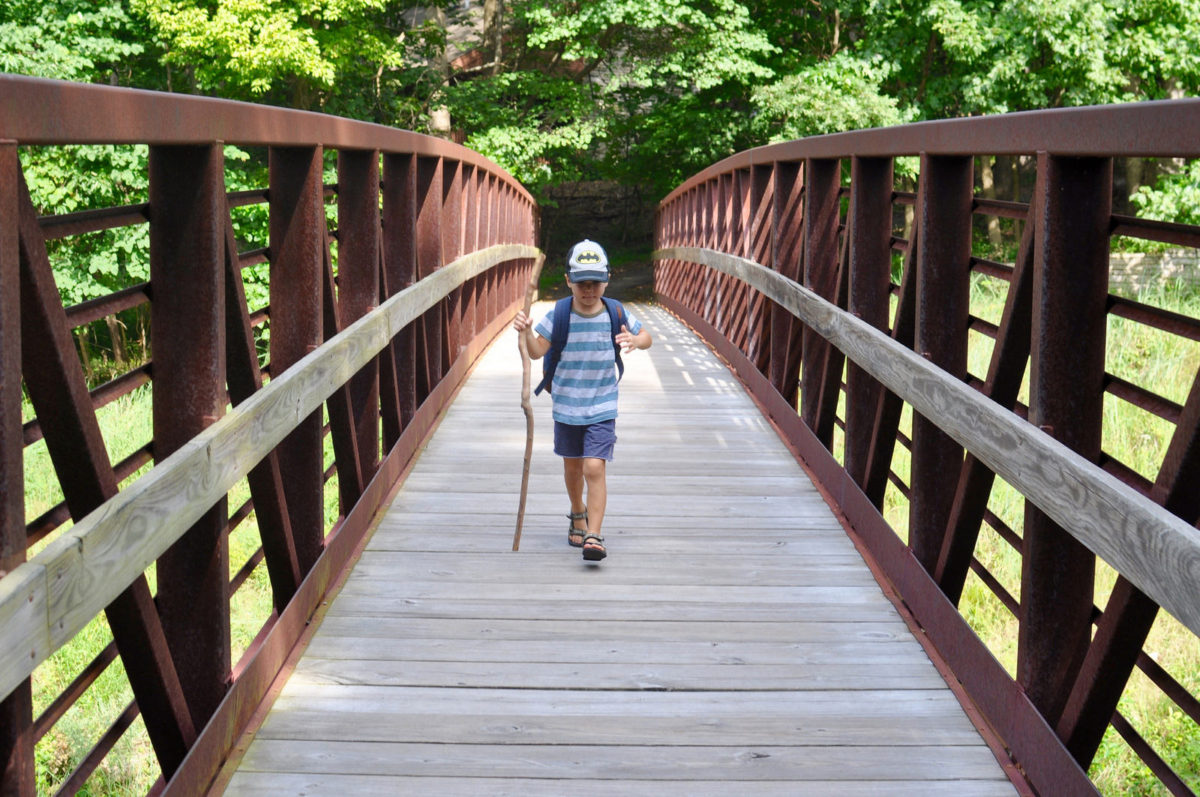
47	600
1156	550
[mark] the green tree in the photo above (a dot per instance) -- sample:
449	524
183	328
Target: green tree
359	58
612	89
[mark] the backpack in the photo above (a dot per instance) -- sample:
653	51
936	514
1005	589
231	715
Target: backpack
561	327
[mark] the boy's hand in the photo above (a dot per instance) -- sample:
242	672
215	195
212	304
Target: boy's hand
625	340
521	322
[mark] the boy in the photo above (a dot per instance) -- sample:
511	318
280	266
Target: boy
584	389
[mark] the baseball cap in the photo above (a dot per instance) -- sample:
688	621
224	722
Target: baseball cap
587	262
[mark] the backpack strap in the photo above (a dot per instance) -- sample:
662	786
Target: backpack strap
560	326
616	315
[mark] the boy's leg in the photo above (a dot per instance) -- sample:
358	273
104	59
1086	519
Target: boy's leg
593	471
574	479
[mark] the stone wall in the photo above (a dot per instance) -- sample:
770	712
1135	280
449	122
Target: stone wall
616	216
1130	272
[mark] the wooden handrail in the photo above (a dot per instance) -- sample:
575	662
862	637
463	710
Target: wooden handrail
1153	548
47	600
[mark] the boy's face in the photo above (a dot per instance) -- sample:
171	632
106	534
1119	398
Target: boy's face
587	294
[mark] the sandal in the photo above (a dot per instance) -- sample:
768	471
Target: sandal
593	548
574	535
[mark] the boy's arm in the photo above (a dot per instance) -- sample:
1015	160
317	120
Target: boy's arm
628	342
534	343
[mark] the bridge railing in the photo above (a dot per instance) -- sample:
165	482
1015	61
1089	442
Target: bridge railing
786	259
384	285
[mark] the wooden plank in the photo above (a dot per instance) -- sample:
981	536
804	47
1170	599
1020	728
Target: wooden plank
272	784
362	606
864	633
643	763
733	641
601	651
1154	549
619	675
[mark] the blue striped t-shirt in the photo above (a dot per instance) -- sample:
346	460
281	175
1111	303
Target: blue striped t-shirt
585	382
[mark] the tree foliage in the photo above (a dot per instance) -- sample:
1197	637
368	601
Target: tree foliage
566	90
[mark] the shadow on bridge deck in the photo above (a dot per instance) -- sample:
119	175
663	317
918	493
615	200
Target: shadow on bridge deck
734	642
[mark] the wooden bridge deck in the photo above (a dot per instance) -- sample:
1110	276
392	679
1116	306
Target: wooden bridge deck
733	642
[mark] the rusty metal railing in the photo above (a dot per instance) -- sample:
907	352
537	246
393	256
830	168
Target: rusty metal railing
783	259
373	322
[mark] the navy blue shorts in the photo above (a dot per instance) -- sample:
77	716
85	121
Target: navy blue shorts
592	440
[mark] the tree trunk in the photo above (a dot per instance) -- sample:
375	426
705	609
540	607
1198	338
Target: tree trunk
988	191
493	31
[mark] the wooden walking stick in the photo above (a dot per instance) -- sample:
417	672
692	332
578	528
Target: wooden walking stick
526	366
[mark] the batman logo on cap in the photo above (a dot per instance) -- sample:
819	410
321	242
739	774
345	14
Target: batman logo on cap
587	257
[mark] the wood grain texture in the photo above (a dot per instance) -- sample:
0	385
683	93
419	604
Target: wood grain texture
1154	549
100	556
733	642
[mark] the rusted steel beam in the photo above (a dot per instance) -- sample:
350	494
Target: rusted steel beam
473	294
54	380
398	372
1129	615
75	782
452	243
38	111
358	284
833	362
95	309
889	406
762	193
102	395
187	325
339	407
265	479
429	258
1066	400
1149	129
943	298
739	326
297	239
821	214
68	697
1005	373
17	776
787	224
870	276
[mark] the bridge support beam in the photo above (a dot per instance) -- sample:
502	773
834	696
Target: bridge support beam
1066	400
429	259
297	241
943	296
451	235
17	777
358	285
57	389
187	323
822	179
786	254
870	232
398	375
